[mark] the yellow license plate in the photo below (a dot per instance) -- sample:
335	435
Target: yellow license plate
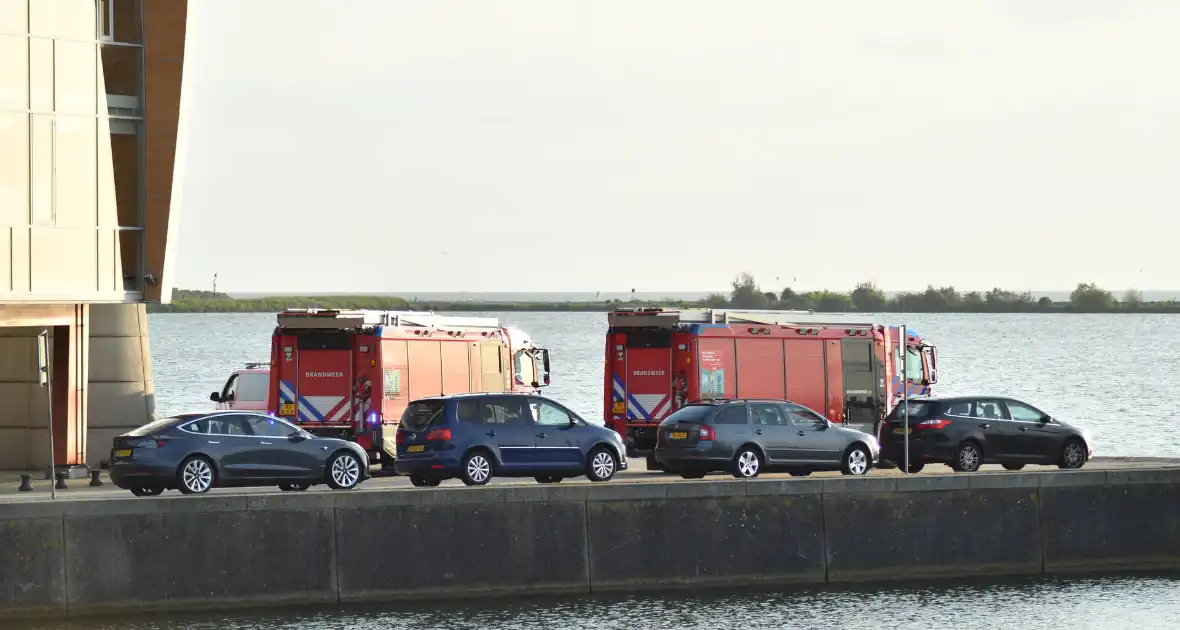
287	409
678	435
619	408
417	448
901	431
123	453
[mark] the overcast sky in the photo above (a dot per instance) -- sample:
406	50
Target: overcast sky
565	145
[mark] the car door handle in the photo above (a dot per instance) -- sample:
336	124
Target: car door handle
541	435
802	433
758	432
267	443
491	434
214	442
985	426
1024	428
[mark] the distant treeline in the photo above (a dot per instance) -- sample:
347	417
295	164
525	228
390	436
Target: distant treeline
745	293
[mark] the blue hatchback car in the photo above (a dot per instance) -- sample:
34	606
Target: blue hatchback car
477	436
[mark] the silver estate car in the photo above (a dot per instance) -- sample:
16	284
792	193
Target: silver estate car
746	437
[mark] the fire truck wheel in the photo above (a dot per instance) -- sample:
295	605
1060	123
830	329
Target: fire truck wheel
477	468
968	457
1013	466
857	461
747	464
422	481
915	467
601	464
549	479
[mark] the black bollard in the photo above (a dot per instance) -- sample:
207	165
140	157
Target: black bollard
94	480
26	483
61	482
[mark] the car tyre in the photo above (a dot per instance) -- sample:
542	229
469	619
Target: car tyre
653	465
968	457
602	464
1073	455
476	469
915	467
294	487
422	481
747	464
344	470
196	475
1013	467
857	461
548	479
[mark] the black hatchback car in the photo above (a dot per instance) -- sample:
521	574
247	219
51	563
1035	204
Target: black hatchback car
477	436
196	452
745	437
966	432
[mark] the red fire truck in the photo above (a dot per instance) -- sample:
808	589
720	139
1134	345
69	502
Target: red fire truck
658	359
350	374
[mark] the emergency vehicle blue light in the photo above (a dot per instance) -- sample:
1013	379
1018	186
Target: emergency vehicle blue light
373	417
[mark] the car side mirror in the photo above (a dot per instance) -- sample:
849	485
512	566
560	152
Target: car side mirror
297	436
822	426
215	397
1046	418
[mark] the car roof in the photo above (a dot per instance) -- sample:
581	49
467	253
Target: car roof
475	395
965	397
729	401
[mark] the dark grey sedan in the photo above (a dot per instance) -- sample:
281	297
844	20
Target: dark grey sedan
745	437
194	453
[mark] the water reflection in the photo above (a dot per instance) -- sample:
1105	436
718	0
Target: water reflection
1098	603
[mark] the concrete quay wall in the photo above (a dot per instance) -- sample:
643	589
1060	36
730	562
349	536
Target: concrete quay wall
90	556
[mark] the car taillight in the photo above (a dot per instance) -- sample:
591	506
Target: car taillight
706	432
398	439
151	443
441	435
933	423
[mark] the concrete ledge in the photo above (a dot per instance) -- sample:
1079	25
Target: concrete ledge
180	552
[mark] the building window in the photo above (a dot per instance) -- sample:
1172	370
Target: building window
106	19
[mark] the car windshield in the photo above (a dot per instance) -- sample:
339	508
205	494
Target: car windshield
421	414
918	409
692	414
162	423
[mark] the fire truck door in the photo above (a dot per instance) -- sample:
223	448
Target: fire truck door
323	387
645	386
859	384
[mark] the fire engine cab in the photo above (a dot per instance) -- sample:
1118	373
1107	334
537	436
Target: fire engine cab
659	359
350	374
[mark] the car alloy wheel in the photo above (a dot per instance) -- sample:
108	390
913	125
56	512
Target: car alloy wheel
969	458
1074	455
747	465
856	462
477	469
196	477
602	465
345	471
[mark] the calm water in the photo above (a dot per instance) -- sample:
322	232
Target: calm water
1114	374
1098	604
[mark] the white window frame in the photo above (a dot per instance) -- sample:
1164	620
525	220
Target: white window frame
107	24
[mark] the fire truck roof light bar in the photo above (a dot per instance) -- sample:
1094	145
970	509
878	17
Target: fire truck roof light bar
345	319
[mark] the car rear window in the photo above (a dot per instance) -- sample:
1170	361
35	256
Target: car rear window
152	427
918	409
419	415
691	414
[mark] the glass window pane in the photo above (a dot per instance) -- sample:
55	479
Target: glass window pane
14	72
14	168
76	181
73	77
126	157
130	254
